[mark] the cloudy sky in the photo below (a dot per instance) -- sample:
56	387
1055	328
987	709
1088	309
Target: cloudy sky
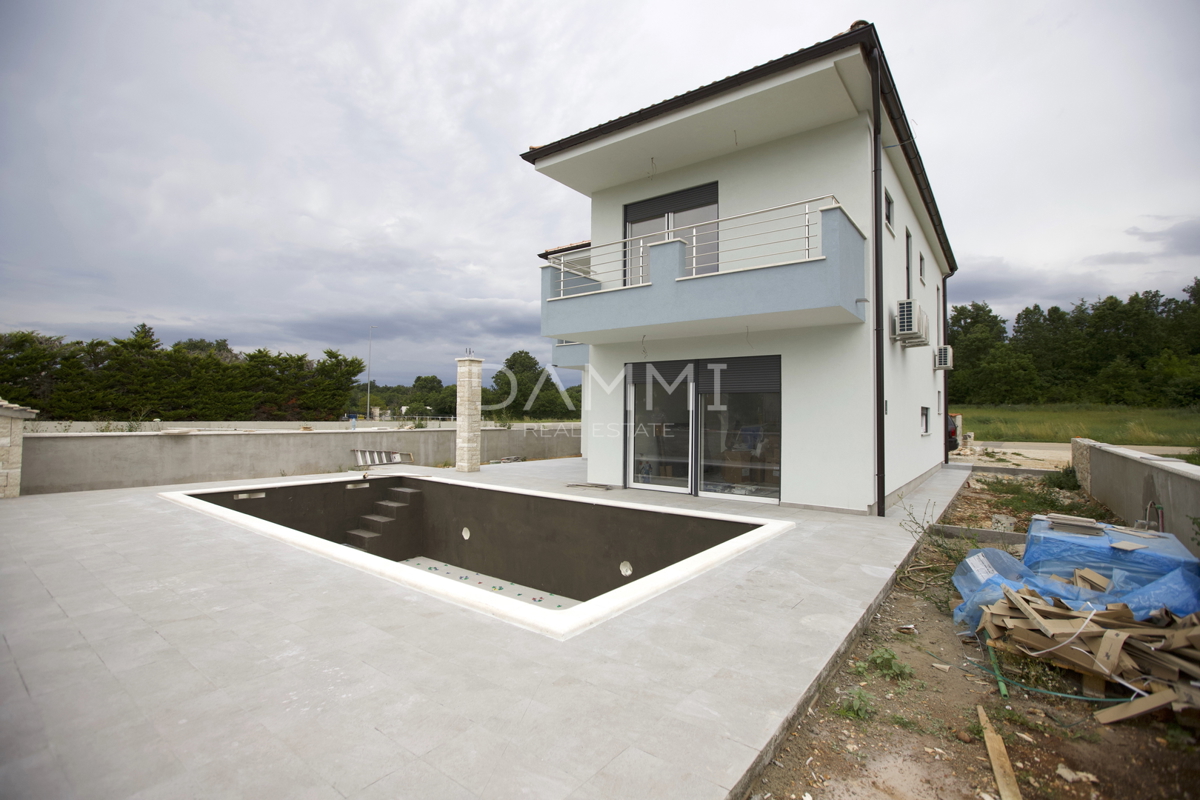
285	174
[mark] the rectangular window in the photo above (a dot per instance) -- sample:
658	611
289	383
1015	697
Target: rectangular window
689	215
939	403
922	268
889	207
937	318
924	419
908	263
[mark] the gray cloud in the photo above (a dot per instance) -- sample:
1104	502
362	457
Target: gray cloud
1106	259
1180	239
284	175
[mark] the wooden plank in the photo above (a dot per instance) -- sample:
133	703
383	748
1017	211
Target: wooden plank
1079	662
1179	639
1162	657
1060	628
1024	607
987	624
1098	581
1142	705
1019	622
1006	779
1005	647
1127	546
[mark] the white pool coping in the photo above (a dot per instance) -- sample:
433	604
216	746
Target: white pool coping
557	624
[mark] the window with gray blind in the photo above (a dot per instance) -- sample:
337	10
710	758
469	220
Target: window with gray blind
689	215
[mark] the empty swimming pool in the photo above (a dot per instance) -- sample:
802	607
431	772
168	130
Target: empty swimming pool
550	563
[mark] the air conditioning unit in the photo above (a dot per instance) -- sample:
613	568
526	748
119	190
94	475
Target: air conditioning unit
943	357
910	326
907	320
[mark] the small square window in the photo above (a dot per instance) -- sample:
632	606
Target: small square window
889	208
924	419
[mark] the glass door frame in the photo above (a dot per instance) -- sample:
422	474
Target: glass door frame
631	430
694	455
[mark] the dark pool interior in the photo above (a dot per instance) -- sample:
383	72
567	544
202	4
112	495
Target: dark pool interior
572	548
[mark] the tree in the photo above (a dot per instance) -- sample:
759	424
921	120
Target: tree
1005	376
526	370
973	332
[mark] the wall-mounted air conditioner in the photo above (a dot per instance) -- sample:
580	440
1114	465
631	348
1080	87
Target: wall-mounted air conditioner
910	326
943	357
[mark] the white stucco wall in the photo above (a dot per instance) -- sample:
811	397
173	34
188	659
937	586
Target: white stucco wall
827	450
829	160
910	380
828	390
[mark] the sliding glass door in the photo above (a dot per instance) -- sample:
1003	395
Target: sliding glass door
708	427
740	444
660	427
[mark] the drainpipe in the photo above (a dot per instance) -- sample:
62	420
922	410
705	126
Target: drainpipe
877	266
946	376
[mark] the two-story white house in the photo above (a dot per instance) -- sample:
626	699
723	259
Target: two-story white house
759	310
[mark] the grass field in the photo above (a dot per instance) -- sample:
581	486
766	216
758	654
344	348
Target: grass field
1060	423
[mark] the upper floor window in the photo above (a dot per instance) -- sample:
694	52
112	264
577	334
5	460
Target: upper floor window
689	215
889	208
921	271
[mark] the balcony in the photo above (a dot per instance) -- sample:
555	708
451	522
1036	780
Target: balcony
796	265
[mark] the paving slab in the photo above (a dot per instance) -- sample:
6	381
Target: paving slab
152	651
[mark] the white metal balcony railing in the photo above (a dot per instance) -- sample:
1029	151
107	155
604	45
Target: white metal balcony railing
768	237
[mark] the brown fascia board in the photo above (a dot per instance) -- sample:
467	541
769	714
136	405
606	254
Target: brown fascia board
865	37
554	251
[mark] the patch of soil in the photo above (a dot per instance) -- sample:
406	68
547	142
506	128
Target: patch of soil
1026	459
921	738
979	500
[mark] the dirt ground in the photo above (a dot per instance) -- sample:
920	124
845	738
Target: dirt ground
980	498
1028	458
919	735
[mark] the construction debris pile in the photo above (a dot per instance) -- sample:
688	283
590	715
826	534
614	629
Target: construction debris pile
1116	605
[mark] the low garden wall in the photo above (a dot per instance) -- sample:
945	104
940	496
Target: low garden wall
75	462
1128	482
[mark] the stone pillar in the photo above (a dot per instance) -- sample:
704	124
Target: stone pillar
467	439
1081	460
12	432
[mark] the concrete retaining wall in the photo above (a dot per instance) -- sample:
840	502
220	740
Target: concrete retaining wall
75	462
150	426
1127	481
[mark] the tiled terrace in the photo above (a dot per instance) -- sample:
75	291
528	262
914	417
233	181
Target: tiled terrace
150	651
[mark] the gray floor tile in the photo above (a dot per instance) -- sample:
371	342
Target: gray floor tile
117	762
192	658
414	781
635	773
471	758
36	776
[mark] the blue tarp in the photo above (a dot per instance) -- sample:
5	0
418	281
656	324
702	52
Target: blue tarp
1163	574
1050	552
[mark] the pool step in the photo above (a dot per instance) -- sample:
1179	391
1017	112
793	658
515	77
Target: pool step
394	529
360	539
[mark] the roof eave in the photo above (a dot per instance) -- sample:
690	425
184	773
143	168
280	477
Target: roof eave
864	37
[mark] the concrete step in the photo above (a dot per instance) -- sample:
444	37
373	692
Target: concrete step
378	523
391	507
403	493
361	539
